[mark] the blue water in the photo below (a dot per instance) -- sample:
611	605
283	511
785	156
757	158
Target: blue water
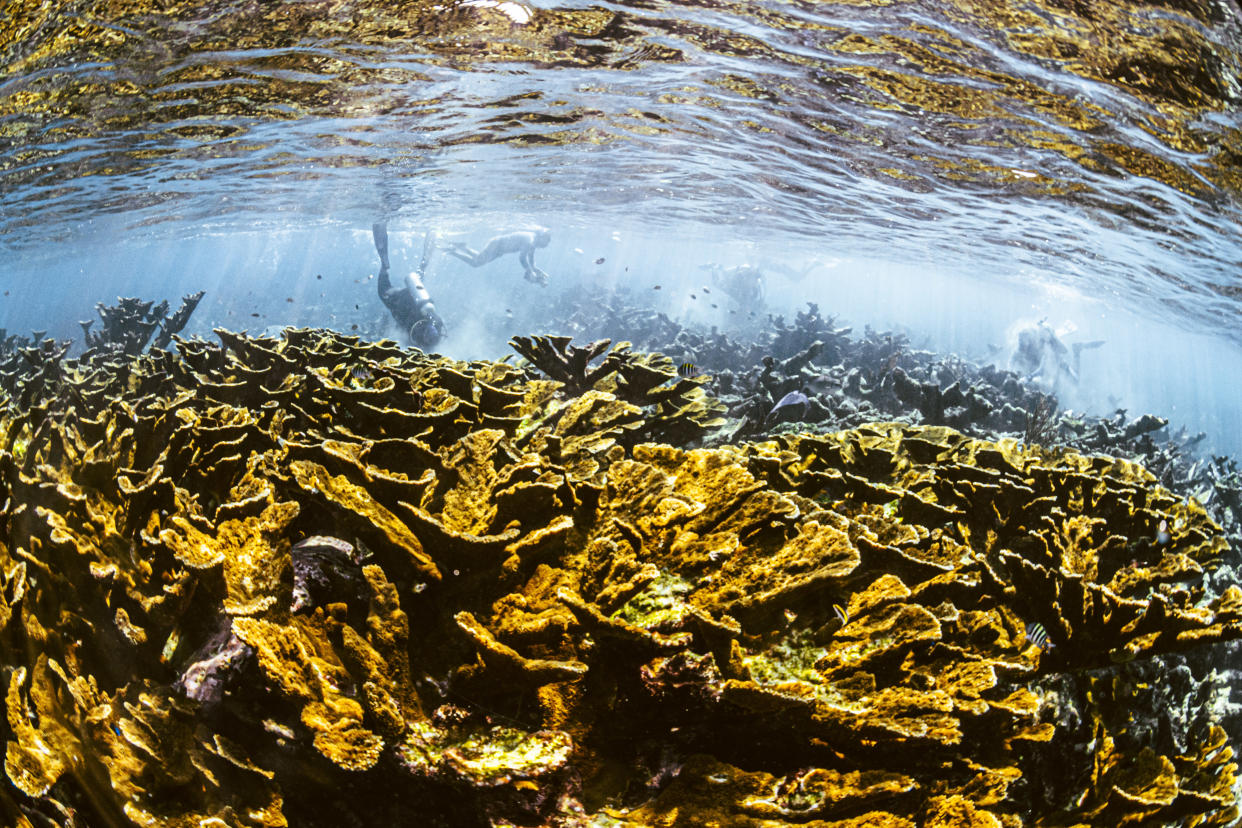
954	168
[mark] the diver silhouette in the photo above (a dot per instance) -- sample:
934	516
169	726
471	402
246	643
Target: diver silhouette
410	304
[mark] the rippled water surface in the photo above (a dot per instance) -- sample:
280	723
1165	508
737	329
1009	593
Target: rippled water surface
1094	144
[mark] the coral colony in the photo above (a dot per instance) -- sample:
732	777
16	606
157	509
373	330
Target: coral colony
239	586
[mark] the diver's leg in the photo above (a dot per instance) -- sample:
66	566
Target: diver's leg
1079	347
382	286
379	232
490	253
464	253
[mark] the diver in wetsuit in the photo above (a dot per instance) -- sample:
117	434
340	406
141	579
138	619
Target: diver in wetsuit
410	304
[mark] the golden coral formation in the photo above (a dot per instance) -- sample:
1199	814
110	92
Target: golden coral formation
247	585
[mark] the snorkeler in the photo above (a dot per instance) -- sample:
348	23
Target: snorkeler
745	284
523	243
410	304
797	274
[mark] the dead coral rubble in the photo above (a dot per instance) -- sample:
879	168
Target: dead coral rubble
249	585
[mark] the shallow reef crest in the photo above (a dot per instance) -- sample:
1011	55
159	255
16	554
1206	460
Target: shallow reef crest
245	583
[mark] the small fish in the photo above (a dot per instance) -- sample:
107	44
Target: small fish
318	275
653	287
170	645
353	327
790	399
1163	538
509	312
355	307
288	298
255	315
360	373
600	260
687	370
1037	635
841	614
706	289
692	296
714	305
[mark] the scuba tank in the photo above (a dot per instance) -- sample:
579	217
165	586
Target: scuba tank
429	329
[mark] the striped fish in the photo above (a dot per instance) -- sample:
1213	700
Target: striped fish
1037	635
842	615
687	370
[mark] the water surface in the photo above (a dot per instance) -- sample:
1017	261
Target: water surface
1061	153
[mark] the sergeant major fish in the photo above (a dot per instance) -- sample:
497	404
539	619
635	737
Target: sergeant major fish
1037	635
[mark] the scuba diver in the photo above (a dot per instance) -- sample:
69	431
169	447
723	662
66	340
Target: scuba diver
1040	356
522	242
410	304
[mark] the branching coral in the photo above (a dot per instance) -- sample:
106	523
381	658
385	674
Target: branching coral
129	325
566	363
241	586
673	410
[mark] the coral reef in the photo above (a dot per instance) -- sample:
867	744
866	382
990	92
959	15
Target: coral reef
879	376
315	581
34	366
668	408
129	325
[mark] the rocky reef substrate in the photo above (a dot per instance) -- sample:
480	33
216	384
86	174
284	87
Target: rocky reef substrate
317	581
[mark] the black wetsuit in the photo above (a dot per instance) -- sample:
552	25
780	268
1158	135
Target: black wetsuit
410	306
